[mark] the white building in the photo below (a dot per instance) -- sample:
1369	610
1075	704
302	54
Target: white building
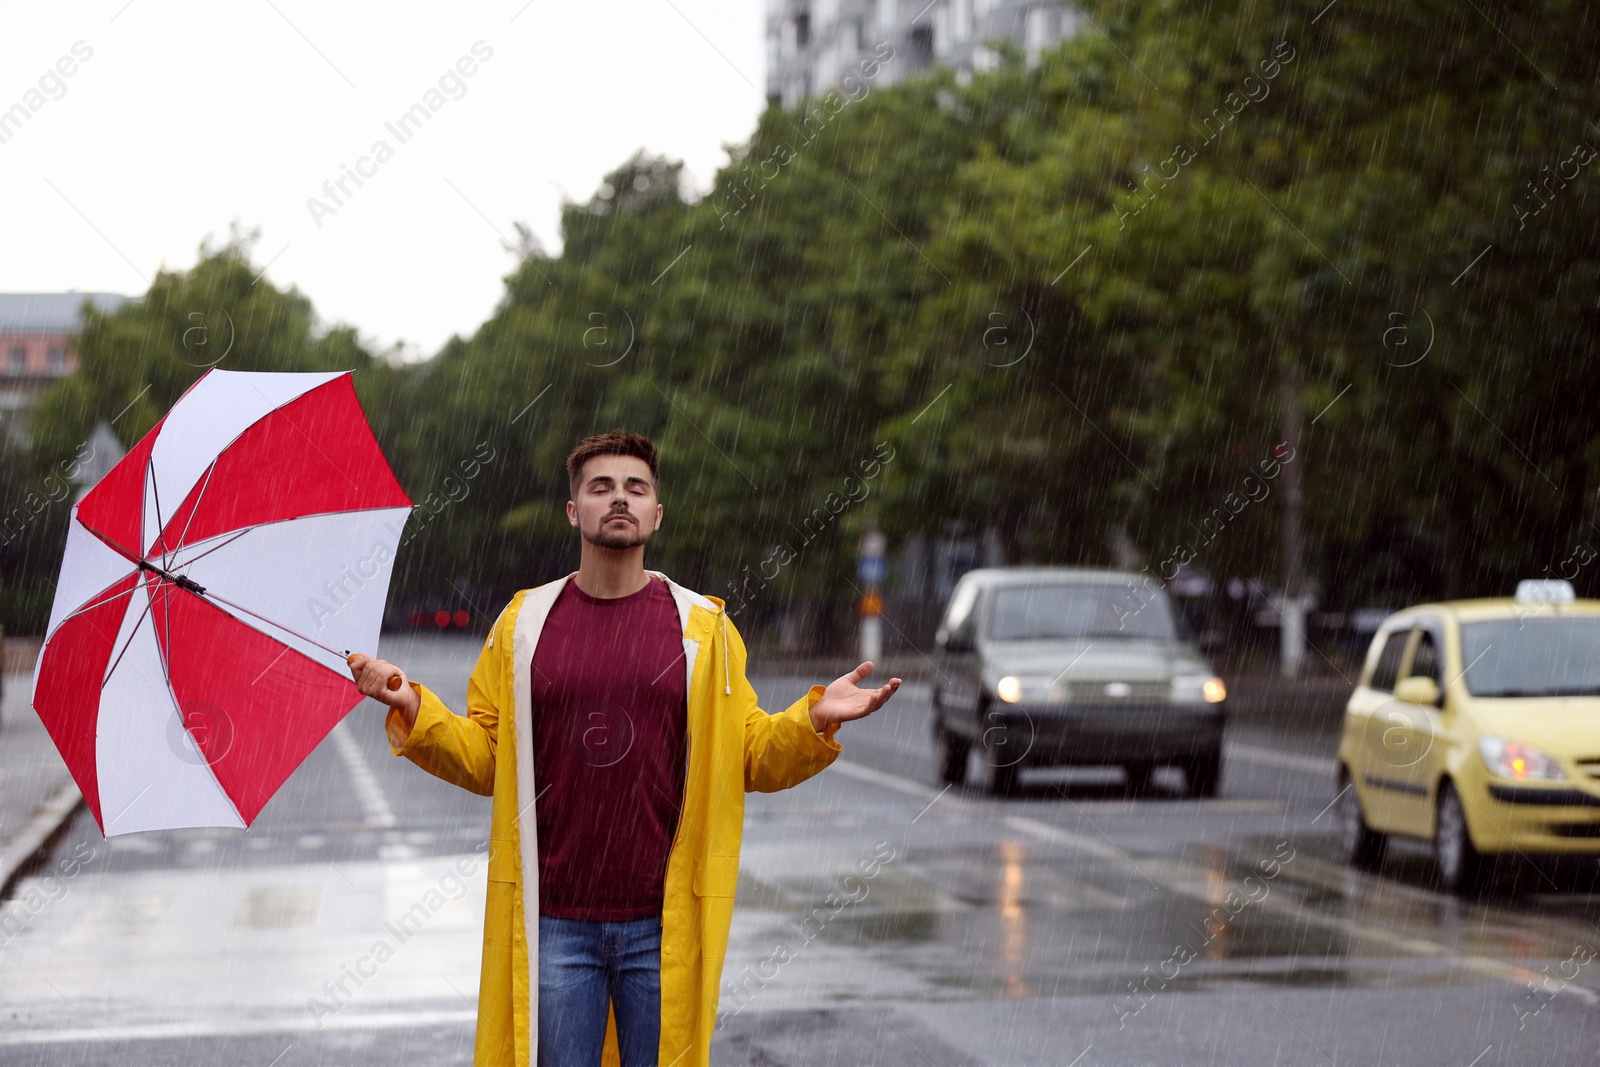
812	45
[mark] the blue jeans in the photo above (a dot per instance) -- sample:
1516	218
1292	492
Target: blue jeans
585	967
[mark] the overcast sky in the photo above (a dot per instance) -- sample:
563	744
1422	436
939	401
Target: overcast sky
178	119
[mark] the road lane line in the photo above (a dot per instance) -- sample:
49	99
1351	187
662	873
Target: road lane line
369	794
1179	805
398	1020
1182	878
1274	758
885	780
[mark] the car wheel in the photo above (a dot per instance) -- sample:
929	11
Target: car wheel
1203	773
998	780
949	755
1462	868
1139	775
1361	845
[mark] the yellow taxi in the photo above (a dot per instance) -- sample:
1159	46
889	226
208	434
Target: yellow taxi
1476	726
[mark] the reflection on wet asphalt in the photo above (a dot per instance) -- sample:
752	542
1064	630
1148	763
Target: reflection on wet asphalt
880	919
1079	920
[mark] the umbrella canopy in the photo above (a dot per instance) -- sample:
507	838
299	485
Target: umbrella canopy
212	581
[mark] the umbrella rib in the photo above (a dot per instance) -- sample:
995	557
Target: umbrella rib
155	491
177	706
270	622
163	650
213	548
109	543
192	511
277	522
148	605
92	605
150	460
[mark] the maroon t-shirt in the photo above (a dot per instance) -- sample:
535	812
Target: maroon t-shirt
609	745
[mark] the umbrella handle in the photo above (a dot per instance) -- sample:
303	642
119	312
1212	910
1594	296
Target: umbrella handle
394	683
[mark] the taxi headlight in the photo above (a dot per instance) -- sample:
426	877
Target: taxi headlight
1198	688
1039	688
1517	761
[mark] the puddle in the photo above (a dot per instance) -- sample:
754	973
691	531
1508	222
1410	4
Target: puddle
905	927
756	895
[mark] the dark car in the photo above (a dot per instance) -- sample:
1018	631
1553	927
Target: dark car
1055	666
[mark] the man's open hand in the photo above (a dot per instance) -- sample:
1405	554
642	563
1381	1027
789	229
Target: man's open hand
372	678
843	700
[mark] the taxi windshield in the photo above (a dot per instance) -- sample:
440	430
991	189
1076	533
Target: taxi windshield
1549	657
1053	611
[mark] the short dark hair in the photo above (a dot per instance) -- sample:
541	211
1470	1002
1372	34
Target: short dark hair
613	443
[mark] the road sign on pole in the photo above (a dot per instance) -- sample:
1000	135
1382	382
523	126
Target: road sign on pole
871	569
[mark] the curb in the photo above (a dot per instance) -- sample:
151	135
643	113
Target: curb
51	818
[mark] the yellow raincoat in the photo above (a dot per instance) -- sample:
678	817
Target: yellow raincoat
734	747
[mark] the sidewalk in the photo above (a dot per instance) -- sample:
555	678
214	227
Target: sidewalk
37	795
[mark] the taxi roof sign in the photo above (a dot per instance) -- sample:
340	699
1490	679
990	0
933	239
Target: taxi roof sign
1545	591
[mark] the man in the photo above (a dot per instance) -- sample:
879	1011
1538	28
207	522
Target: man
610	717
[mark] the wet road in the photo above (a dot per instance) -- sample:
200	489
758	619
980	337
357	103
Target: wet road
881	919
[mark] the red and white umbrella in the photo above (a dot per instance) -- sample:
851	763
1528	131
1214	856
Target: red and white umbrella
211	585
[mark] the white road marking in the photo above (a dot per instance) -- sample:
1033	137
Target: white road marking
1189	880
374	805
1274	758
883	780
399	1020
1171	806
190	934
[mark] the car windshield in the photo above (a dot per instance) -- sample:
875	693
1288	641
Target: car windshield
1532	657
1071	610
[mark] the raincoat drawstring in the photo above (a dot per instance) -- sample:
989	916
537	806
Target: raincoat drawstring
727	685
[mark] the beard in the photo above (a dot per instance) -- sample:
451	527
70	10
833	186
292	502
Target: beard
608	536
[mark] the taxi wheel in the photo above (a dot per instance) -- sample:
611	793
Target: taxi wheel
950	754
1139	776
1462	868
1362	846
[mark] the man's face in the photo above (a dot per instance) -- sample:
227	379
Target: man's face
616	502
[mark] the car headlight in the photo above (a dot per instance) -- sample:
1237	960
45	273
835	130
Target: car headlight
1198	688
1041	688
1517	761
